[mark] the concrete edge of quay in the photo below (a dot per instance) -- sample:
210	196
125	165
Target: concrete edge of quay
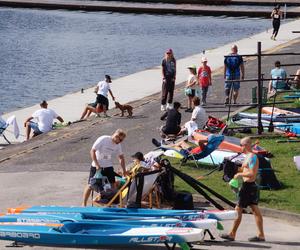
152	9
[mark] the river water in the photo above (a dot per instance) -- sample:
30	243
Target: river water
46	54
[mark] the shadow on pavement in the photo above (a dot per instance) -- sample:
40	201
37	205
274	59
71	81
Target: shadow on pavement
235	244
285	243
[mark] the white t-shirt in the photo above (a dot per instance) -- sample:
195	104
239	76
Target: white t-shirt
103	88
105	150
200	116
192	79
45	119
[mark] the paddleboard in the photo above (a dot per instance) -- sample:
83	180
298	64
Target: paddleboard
216	157
100	212
150	222
277	111
229	143
79	234
266	117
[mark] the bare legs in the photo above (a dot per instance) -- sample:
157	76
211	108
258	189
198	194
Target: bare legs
258	219
86	194
28	130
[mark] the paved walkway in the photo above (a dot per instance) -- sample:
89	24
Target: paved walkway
141	84
153	8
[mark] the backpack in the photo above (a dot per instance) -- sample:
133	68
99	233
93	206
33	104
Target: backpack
229	169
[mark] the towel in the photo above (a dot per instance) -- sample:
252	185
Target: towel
13	121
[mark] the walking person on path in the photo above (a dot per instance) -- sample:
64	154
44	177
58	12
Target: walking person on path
233	70
204	78
102	152
276	15
44	117
190	87
169	76
248	194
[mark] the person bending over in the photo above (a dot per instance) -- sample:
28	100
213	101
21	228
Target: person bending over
102	152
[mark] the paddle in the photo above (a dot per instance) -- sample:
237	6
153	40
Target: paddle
271	126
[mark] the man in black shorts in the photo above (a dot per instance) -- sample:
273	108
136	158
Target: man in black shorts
102	152
248	195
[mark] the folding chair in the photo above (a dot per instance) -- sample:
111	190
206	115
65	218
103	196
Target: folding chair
137	187
3	126
213	142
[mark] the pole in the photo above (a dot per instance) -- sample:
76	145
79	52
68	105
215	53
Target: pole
259	90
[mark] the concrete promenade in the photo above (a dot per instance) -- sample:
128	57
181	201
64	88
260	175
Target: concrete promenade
153	8
53	168
141	84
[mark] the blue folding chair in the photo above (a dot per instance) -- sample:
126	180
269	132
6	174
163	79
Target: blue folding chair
3	126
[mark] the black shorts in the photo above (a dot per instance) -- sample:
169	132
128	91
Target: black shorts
192	94
248	195
101	99
108	172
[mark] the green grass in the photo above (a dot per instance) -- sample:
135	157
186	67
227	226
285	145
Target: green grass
287	198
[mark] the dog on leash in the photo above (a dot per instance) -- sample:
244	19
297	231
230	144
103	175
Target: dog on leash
124	108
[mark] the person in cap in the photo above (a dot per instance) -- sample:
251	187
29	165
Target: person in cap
204	78
190	87
168	83
44	118
276	15
102	89
233	70
101	104
147	164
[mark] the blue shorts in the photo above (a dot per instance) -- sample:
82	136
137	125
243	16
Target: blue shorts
234	85
34	126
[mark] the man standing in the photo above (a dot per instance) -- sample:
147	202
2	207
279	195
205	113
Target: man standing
104	148
233	70
248	194
44	118
169	76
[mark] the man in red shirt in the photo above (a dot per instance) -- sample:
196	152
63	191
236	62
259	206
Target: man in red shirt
204	76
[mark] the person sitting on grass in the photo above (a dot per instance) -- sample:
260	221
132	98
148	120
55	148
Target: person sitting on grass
44	117
172	126
278	76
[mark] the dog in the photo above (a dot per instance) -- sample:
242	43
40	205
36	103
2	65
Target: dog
124	108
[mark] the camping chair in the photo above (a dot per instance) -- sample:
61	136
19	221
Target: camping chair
3	126
137	187
213	143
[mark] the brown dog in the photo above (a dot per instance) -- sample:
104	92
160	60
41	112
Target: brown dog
124	108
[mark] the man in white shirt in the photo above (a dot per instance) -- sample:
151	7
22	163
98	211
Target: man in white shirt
44	117
102	152
199	114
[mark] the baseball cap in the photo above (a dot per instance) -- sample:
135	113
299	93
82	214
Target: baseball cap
169	51
192	67
108	78
203	59
139	156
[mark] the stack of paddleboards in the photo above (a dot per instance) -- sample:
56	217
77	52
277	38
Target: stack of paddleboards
282	119
95	227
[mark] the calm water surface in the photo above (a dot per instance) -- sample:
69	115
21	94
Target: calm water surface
46	54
